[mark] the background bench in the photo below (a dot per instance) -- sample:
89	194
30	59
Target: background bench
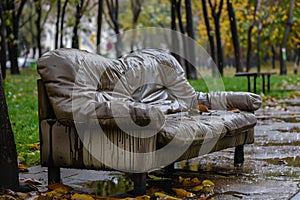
255	75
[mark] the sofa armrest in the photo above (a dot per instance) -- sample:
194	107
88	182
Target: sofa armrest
244	101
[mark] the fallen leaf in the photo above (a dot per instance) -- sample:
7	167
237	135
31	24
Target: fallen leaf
145	197
208	186
31	181
202	108
235	110
208	183
22	168
7	197
54	194
165	196
22	195
156	178
152	190
196	188
34	145
59	186
206	198
81	197
182	192
44	197
189	181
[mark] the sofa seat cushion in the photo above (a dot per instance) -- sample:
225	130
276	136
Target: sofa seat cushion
194	129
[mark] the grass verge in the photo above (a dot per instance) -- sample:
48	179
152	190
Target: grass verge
21	96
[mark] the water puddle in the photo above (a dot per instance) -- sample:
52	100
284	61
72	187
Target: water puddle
279	143
112	187
288	161
294	129
290	119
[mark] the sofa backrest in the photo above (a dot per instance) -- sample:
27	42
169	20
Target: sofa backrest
79	81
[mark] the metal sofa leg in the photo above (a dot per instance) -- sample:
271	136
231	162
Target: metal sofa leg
53	175
239	156
139	180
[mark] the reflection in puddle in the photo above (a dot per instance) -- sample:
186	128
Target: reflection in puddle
111	187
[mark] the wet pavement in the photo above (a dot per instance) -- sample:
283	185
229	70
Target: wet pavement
271	169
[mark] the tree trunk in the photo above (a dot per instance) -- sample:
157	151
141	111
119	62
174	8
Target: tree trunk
136	8
13	30
57	24
2	44
8	154
249	36
235	38
273	56
259	30
210	37
78	15
190	69
297	61
175	44
12	40
182	30
209	31
216	16
113	10
33	36
99	25
38	9
62	24
219	47
289	24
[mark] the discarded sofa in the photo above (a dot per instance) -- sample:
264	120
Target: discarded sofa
132	114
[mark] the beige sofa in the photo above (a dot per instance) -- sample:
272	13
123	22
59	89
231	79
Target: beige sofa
132	114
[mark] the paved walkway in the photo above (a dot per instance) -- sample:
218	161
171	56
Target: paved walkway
271	170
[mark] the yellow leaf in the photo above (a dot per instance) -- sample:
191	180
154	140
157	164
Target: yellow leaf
34	145
60	188
156	178
145	197
196	188
165	196
81	197
152	190
53	194
182	193
189	181
208	183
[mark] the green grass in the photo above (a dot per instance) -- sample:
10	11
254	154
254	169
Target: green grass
281	86
21	96
21	93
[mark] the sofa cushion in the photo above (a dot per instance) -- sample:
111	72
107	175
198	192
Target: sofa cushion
195	129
